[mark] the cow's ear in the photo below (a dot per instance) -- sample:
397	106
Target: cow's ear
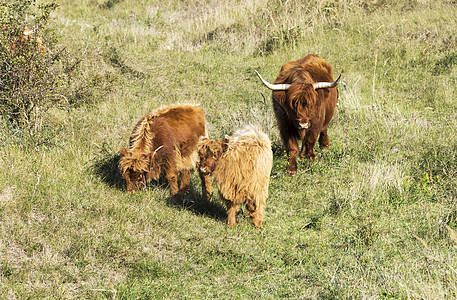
201	141
124	152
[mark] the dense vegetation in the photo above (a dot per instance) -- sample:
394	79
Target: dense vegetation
372	217
36	77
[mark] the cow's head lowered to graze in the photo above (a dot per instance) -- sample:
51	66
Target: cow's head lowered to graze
138	168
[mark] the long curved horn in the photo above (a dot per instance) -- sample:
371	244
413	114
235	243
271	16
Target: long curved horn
327	85
155	151
273	87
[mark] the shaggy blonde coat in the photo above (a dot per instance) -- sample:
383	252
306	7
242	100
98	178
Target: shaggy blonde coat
242	170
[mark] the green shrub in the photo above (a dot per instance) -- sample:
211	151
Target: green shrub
34	76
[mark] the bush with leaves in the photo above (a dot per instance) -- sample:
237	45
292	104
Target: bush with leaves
34	77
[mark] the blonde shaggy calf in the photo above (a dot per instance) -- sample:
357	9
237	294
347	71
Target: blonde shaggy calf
240	165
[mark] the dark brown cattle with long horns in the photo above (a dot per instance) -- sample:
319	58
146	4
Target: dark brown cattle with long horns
164	141
304	101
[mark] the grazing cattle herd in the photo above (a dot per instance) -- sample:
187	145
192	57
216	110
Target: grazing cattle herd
173	140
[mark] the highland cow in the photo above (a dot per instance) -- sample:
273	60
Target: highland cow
164	141
304	101
240	165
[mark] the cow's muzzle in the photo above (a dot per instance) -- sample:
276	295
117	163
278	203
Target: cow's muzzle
205	170
305	125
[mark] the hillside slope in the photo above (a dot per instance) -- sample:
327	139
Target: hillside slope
373	217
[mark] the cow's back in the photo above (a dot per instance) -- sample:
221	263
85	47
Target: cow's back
310	69
247	163
186	122
178	129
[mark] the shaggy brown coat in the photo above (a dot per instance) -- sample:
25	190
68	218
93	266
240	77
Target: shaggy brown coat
240	165
164	141
304	110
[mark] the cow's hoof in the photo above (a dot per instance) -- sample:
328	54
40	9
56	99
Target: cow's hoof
324	147
257	222
291	173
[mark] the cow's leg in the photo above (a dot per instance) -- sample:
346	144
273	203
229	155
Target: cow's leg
171	175
286	131
292	152
184	184
232	208
324	141
257	219
303	148
206	185
255	211
308	143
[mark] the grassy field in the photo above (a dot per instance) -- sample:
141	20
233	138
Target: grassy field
373	217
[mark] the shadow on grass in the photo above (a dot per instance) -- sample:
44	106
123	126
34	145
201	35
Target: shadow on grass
194	202
106	168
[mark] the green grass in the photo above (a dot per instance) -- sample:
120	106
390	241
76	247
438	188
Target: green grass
367	219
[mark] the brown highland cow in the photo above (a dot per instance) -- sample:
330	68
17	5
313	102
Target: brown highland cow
304	101
241	166
164	141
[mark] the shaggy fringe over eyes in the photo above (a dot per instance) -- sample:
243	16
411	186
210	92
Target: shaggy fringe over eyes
206	145
303	94
134	163
246	164
173	131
